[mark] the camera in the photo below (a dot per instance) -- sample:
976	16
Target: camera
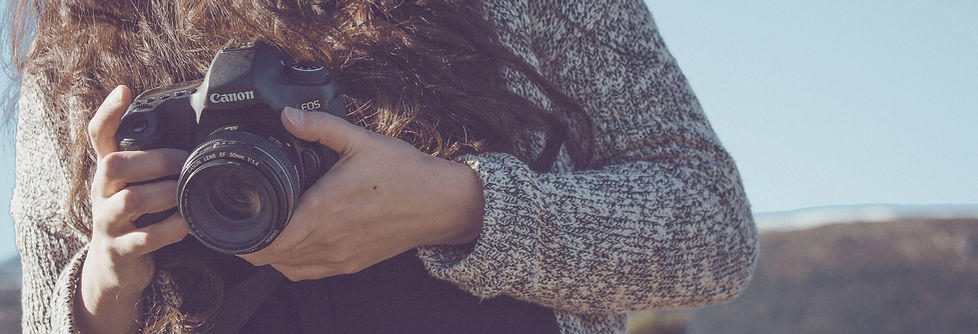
245	173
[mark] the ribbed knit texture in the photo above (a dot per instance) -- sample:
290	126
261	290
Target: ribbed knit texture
659	221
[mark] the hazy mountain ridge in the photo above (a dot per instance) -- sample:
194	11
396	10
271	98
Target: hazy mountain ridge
905	276
850	269
866	213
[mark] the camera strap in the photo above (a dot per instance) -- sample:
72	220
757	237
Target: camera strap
243	300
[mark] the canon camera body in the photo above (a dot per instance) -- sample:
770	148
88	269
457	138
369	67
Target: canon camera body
245	173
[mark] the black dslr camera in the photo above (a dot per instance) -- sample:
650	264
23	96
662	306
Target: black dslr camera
245	172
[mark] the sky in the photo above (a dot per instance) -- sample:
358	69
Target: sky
836	102
820	103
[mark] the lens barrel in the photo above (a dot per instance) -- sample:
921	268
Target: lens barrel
237	191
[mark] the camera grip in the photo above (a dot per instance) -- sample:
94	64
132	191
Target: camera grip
154	217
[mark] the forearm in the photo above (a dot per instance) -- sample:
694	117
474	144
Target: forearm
630	236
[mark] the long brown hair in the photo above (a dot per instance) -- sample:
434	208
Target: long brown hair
429	72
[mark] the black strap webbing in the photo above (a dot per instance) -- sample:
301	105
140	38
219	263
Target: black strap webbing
243	300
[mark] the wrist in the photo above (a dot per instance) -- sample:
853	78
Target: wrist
105	301
469	206
124	276
99	310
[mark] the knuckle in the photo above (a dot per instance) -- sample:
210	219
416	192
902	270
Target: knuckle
130	201
291	276
359	139
287	271
95	193
94	127
335	256
115	254
277	248
340	257
154	240
256	259
113	164
105	219
99	222
300	275
350	268
115	251
142	240
310	272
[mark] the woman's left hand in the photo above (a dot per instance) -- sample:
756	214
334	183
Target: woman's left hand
382	198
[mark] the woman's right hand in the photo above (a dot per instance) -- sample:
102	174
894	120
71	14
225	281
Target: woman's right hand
119	263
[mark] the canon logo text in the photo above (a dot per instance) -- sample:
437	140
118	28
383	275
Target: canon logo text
232	97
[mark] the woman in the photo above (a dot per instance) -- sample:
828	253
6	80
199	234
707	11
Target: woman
547	161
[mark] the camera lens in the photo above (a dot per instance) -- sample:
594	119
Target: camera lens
235	195
237	191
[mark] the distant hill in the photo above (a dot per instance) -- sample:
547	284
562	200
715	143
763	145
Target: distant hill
10	273
823	215
10	295
905	276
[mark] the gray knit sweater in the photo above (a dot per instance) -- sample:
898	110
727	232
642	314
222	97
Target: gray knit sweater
660	221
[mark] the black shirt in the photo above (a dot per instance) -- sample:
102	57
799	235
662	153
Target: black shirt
393	296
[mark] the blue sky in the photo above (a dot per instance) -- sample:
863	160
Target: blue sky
820	103
837	102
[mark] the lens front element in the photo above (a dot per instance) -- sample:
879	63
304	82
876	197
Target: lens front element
235	195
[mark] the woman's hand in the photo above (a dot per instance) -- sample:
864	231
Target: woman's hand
382	198
119	263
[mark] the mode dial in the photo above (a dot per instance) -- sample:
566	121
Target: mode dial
307	73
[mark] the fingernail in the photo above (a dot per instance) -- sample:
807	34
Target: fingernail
116	94
295	116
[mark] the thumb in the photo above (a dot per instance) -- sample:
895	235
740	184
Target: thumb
331	131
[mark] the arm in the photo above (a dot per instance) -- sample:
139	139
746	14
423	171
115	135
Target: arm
51	251
660	221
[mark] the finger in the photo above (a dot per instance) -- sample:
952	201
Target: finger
258	259
255	259
102	127
284	247
117	169
116	214
295	233
150	238
273	253
331	131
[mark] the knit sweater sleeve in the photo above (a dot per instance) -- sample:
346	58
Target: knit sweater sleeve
51	251
659	221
